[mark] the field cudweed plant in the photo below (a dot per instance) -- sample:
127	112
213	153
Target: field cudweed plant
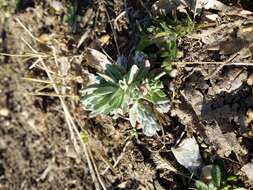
133	92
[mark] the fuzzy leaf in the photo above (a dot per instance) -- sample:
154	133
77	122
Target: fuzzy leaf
132	74
201	185
102	102
114	72
116	100
227	187
106	77
163	107
144	42
104	90
133	112
148	120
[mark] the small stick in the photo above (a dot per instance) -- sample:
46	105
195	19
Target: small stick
28	31
96	169
119	158
24	55
113	32
214	63
52	95
37	80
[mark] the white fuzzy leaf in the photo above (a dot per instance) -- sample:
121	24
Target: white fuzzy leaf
133	112
133	72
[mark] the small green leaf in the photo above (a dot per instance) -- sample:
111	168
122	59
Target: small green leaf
116	100
216	175
148	120
201	185
144	42
106	77
104	90
132	74
114	72
101	102
227	187
231	177
84	136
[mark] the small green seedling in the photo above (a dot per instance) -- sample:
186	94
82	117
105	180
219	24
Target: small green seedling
72	18
134	93
85	136
220	181
8	7
164	36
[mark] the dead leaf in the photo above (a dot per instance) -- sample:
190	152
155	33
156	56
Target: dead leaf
162	163
96	59
214	4
213	17
248	170
64	65
217	139
224	144
232	46
188	155
229	82
104	40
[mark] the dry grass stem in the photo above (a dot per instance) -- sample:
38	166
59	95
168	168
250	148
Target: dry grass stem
211	63
74	133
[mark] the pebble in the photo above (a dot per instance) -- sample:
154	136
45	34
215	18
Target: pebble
206	173
4	112
173	73
249	115
250	80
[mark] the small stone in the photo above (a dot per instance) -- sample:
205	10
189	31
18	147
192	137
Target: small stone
57	5
249	115
4	112
206	174
250	80
173	73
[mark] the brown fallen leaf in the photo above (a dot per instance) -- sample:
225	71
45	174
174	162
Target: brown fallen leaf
96	59
248	170
228	82
232	46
